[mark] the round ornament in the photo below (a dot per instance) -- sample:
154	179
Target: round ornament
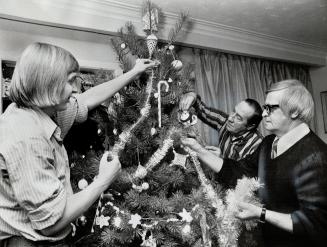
153	131
177	65
82	184
81	221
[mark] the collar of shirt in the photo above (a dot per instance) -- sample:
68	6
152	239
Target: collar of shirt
291	137
50	127
240	139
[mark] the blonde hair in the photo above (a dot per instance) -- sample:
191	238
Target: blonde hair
296	99
40	75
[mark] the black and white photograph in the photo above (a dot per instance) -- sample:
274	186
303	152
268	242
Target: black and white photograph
148	123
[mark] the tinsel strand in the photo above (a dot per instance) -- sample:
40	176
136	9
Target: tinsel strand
125	136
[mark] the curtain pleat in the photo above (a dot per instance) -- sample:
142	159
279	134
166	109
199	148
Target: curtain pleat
223	80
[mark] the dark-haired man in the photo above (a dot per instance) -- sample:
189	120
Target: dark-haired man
238	135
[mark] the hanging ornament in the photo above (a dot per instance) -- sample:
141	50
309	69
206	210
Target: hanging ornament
150	20
118	99
151	42
82	184
187	118
171	47
102	221
123	46
159	99
145	186
99	131
177	65
81	221
135	220
140	172
170	80
187	229
179	159
140	188
186	216
115	131
111	110
148	240
73	229
153	131
117	221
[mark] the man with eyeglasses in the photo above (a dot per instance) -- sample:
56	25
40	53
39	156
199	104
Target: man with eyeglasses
291	163
238	135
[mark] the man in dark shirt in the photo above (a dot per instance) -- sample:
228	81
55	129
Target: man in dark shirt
238	135
292	165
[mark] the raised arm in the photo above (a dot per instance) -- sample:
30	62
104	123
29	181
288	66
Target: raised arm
213	117
96	95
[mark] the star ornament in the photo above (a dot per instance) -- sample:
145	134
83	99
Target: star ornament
102	221
186	216
179	159
135	220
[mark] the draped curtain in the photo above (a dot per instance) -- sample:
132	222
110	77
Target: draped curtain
223	80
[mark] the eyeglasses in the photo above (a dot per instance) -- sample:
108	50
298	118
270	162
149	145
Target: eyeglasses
269	108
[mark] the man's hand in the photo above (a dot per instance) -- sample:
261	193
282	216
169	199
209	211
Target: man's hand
248	211
187	100
143	64
215	150
108	170
192	144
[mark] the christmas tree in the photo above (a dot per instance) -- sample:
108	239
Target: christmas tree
162	197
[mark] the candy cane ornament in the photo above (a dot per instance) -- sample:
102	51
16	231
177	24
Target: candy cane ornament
159	98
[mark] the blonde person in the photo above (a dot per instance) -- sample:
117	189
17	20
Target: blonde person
36	199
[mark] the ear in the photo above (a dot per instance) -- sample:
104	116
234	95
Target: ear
294	115
250	127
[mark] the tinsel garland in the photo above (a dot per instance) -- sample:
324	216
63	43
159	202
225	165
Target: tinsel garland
125	136
155	159
207	188
228	226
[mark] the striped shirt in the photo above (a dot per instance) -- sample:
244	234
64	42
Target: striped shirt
232	147
35	176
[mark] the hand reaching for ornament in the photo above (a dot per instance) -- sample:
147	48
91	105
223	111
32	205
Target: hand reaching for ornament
192	144
247	211
109	168
186	101
143	64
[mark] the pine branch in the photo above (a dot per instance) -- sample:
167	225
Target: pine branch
178	26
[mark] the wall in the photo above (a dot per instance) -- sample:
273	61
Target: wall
92	50
319	84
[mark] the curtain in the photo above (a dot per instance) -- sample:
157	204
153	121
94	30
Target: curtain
223	80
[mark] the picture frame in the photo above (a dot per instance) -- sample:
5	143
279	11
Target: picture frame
323	96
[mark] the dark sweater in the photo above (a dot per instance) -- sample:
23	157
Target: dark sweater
294	183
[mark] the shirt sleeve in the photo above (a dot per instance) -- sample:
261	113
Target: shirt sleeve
37	189
213	117
311	189
76	112
233	170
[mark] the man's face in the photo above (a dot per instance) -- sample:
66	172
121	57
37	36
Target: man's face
66	93
237	121
275	120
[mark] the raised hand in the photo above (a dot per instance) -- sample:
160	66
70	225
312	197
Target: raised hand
187	100
144	64
108	170
191	143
